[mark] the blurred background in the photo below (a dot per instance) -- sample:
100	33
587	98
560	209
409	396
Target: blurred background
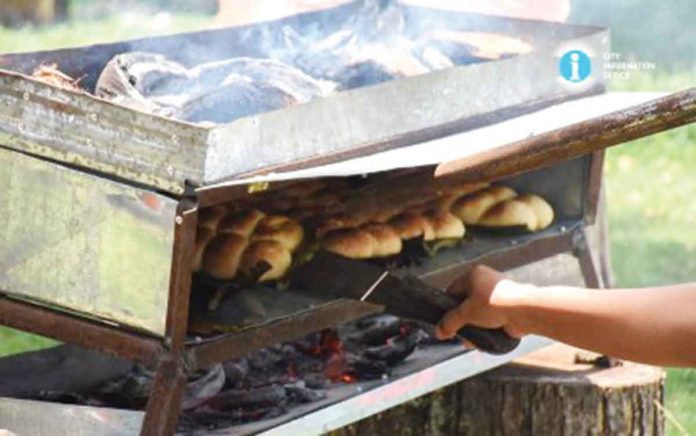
651	183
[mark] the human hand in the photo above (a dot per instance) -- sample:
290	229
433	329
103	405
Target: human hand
489	298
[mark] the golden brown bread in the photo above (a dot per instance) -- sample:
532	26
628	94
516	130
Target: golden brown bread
471	208
409	225
350	243
387	241
386	213
243	223
542	209
272	253
445	225
280	229
222	257
509	213
304	189
210	217
338	222
449	195
203	237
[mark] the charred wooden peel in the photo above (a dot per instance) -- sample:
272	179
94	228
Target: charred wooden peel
408	297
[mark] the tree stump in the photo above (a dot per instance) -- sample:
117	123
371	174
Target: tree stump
545	393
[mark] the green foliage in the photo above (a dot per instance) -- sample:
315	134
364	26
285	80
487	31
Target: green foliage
654	31
12	342
651	192
115	28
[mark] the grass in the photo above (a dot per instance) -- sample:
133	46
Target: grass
116	28
651	192
651	185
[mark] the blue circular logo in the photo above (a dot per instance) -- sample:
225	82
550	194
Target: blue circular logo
575	66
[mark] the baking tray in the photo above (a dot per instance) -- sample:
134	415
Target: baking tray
169	155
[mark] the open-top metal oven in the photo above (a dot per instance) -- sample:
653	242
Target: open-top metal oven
103	203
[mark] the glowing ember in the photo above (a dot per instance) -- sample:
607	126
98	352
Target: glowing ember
347	378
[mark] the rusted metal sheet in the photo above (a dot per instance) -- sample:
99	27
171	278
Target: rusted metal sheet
89	132
164	402
94	335
180	283
81	130
84	243
25	417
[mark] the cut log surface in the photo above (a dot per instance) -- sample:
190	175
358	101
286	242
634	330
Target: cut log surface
544	393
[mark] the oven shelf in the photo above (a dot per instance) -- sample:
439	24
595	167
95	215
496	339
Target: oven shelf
300	315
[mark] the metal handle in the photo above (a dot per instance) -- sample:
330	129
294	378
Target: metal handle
576	140
431	304
494	341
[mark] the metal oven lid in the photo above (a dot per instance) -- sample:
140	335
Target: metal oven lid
166	154
458	146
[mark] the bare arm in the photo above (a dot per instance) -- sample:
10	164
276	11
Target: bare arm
651	325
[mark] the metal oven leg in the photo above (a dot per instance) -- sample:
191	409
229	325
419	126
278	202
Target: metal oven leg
164	404
582	252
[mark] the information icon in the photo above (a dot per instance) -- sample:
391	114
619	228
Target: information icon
575	66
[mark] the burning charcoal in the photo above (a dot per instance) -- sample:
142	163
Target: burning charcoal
192	421
213	92
299	393
264	358
316	380
62	397
235	371
394	352
201	390
377	330
305	395
377	320
367	369
269	396
130	392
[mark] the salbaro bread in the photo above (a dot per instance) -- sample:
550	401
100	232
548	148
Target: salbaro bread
351	243
222	257
272	255
246	242
500	206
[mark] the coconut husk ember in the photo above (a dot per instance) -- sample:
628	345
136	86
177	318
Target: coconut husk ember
50	74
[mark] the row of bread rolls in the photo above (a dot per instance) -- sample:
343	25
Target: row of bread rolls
375	240
233	243
446	217
500	206
240	243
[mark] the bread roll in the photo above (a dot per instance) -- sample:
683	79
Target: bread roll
243	223
210	217
351	243
222	257
203	236
387	241
386	213
471	208
542	209
273	253
304	189
449	195
509	213
409	225
280	229
339	222
445	225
